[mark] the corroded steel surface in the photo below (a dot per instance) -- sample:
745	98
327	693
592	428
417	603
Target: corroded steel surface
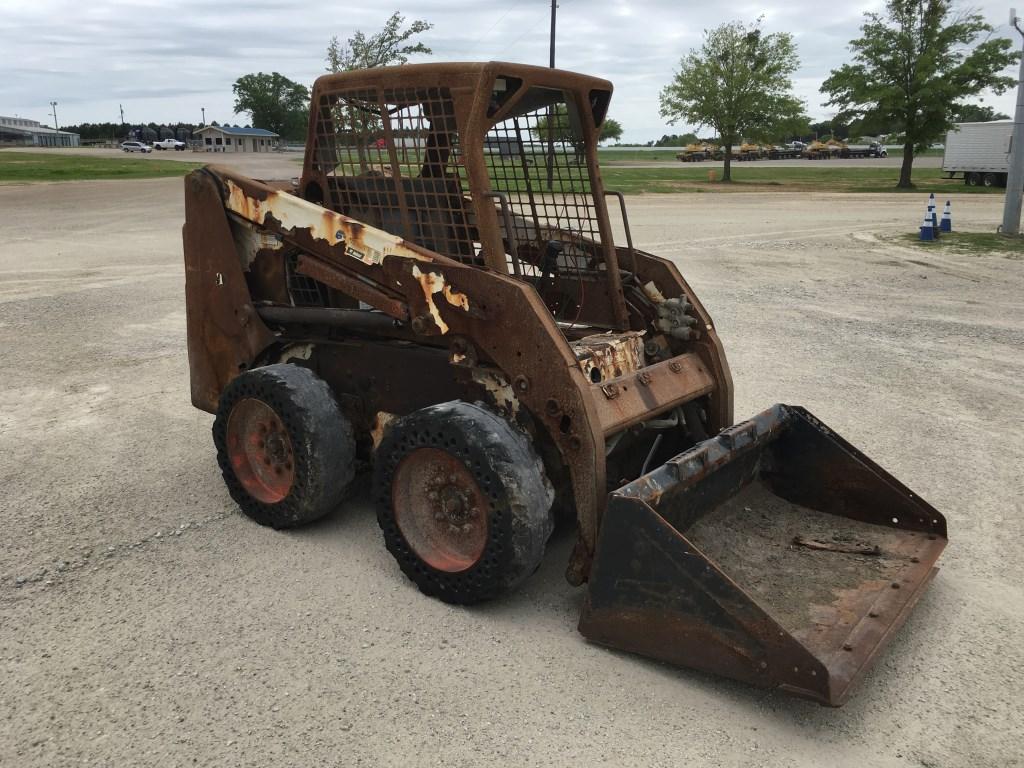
675	579
440	509
399	213
443	245
260	451
610	355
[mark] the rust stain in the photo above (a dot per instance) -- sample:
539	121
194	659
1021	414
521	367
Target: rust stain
363	243
610	355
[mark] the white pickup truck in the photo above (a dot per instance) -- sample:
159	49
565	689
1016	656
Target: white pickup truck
169	144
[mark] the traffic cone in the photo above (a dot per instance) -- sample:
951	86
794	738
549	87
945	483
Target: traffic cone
934	216
928	229
946	225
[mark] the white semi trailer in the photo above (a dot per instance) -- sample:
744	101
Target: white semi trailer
980	152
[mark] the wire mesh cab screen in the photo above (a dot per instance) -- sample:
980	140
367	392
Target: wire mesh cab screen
537	156
390	158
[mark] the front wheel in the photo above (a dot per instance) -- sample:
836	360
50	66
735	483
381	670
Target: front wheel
285	449
463	501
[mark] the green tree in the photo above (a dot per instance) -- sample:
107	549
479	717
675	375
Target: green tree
826	129
674	140
738	83
273	102
912	67
562	130
392	45
976	113
790	128
611	130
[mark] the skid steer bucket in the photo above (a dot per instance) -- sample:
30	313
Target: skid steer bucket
775	553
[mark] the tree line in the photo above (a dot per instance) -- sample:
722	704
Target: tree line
912	71
140	131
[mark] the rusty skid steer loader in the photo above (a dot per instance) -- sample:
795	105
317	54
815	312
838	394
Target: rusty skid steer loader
441	293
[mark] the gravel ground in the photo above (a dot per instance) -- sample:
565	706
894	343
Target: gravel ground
145	622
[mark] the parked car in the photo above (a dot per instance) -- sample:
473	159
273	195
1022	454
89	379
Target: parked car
135	146
178	146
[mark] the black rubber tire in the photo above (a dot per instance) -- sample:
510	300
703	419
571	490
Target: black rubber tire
321	436
972	179
507	469
989	180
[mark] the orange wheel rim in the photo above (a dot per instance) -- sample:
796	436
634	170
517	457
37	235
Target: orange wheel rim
260	451
440	510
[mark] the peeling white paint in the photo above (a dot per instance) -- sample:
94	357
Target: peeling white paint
380	425
433	282
499	389
363	243
296	352
653	293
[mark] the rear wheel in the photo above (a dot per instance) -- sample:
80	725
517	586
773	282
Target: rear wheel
990	180
972	179
463	501
286	451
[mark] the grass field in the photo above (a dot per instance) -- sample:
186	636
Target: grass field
974	243
636	155
25	167
749	178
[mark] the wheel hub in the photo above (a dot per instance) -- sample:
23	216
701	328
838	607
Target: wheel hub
440	510
260	451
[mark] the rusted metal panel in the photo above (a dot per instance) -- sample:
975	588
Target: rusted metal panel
411	229
665	275
610	355
635	397
352	286
225	335
697	565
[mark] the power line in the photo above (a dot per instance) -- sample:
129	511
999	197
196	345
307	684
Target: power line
531	29
500	19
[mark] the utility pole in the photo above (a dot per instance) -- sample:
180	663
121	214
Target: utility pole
551	113
204	115
1015	177
53	106
551	63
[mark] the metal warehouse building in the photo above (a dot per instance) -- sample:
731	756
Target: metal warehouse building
29	133
224	138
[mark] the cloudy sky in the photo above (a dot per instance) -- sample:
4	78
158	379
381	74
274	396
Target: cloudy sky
163	61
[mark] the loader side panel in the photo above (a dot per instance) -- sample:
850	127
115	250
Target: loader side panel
225	335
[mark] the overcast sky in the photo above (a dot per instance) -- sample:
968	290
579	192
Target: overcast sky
163	61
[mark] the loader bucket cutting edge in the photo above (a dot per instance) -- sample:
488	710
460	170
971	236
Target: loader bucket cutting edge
775	553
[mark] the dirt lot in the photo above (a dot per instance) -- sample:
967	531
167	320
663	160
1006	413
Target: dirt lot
145	622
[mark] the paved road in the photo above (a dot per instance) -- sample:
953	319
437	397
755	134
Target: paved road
145	622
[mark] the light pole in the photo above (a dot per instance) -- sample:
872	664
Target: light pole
551	112
53	106
1015	177
204	115
551	55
